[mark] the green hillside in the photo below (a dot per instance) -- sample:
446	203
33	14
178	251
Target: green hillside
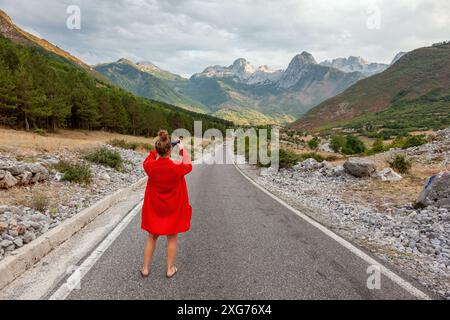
130	77
39	89
414	93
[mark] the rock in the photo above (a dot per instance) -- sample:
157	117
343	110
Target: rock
360	168
18	242
25	178
436	191
16	170
28	237
3	226
2	174
5	243
36	168
388	175
105	177
268	171
8	181
58	176
308	165
326	147
337	171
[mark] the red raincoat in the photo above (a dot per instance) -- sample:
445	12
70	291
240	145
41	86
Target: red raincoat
166	209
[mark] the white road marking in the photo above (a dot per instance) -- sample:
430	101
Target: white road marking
64	291
384	270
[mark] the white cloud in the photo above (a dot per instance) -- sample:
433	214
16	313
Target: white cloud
186	36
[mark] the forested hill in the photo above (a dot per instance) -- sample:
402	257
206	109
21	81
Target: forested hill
39	89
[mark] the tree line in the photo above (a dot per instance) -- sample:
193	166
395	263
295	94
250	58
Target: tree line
40	90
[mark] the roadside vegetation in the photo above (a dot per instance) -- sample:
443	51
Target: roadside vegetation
105	157
121	143
400	163
74	172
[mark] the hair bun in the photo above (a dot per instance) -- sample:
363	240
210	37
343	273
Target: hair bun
163	135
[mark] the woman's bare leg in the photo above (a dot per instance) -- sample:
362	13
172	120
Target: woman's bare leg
148	253
171	254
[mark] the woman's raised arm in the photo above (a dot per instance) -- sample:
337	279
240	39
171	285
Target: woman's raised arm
150	159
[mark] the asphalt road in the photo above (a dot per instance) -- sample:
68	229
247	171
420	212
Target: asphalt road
242	245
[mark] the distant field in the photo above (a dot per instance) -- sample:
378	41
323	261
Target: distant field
62	139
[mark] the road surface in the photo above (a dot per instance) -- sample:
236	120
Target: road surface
243	245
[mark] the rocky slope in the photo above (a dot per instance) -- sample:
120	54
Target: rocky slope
357	64
416	240
418	83
240	92
22	222
11	31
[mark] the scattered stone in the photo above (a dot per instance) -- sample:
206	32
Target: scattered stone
18	242
8	181
3	226
360	168
436	191
5	244
388	175
28	237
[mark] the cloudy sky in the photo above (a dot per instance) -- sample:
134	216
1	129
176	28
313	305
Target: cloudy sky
185	36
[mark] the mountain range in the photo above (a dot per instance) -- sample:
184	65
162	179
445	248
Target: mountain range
413	94
44	87
242	92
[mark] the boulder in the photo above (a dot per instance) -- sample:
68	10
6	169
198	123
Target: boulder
309	165
436	191
337	171
360	168
25	178
2	174
36	168
3	226
16	170
8	181
388	175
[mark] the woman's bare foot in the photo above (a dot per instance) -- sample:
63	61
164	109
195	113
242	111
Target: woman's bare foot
171	273
145	273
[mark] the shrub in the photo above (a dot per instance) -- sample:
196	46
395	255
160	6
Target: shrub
398	143
120	143
314	143
40	201
377	147
106	157
353	145
414	141
40	131
400	163
288	158
77	173
337	143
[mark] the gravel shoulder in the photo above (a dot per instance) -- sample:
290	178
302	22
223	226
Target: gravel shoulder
416	240
21	221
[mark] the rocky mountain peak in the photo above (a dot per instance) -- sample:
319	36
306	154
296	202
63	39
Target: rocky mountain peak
243	68
125	61
303	59
4	16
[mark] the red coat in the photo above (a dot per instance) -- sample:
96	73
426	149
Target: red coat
166	209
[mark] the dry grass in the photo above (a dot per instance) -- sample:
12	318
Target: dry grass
63	139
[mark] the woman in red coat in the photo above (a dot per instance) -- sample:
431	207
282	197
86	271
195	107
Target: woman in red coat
166	210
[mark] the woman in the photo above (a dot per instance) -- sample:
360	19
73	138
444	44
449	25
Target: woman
166	210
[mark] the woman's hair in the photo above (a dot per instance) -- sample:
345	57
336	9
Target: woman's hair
163	143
